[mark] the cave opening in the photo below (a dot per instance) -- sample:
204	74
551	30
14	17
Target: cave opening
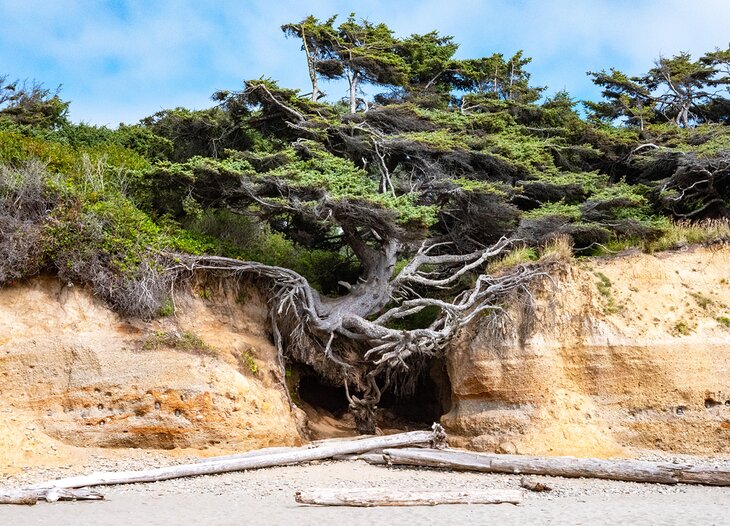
429	400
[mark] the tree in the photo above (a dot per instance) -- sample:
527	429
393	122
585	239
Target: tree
681	85
627	97
677	89
318	43
429	60
405	265
492	81
29	103
367	54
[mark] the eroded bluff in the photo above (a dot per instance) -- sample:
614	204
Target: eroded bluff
614	356
72	372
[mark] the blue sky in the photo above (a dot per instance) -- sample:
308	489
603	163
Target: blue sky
121	60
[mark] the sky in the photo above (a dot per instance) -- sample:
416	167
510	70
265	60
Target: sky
121	60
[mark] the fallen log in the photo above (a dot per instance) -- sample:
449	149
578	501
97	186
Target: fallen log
370	458
279	449
248	454
625	470
369	497
284	458
31	496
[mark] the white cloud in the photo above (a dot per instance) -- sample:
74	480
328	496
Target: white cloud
164	53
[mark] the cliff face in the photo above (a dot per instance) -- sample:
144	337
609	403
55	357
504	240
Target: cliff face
619	355
73	373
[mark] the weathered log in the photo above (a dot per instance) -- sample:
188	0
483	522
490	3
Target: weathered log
626	470
279	449
295	456
370	458
31	496
369	497
248	454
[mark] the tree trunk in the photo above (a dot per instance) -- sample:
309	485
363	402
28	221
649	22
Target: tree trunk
295	456
625	470
311	66
369	497
353	79
31	496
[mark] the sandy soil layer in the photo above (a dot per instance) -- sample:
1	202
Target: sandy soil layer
266	496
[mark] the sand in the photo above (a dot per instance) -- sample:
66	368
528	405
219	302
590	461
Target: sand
266	496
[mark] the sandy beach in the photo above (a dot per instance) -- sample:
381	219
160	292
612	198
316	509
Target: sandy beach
266	496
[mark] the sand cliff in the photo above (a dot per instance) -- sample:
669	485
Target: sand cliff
618	355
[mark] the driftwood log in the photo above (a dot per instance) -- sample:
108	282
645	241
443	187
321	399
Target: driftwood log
284	458
625	470
31	496
311	445
369	497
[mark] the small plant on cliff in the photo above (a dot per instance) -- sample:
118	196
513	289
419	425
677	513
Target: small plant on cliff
682	329
185	341
702	300
604	287
247	362
723	320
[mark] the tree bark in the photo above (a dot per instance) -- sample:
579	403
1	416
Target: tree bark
369	497
31	496
353	79
625	470
295	456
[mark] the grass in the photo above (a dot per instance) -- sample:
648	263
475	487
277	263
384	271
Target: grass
604	288
185	341
560	248
682	233
674	234
516	256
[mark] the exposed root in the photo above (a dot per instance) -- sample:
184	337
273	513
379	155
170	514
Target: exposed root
350	340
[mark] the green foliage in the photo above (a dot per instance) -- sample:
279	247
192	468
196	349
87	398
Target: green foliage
571	212
185	341
604	288
247	362
30	104
516	256
457	150
342	180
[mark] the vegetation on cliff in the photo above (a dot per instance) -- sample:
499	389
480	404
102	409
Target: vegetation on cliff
372	220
